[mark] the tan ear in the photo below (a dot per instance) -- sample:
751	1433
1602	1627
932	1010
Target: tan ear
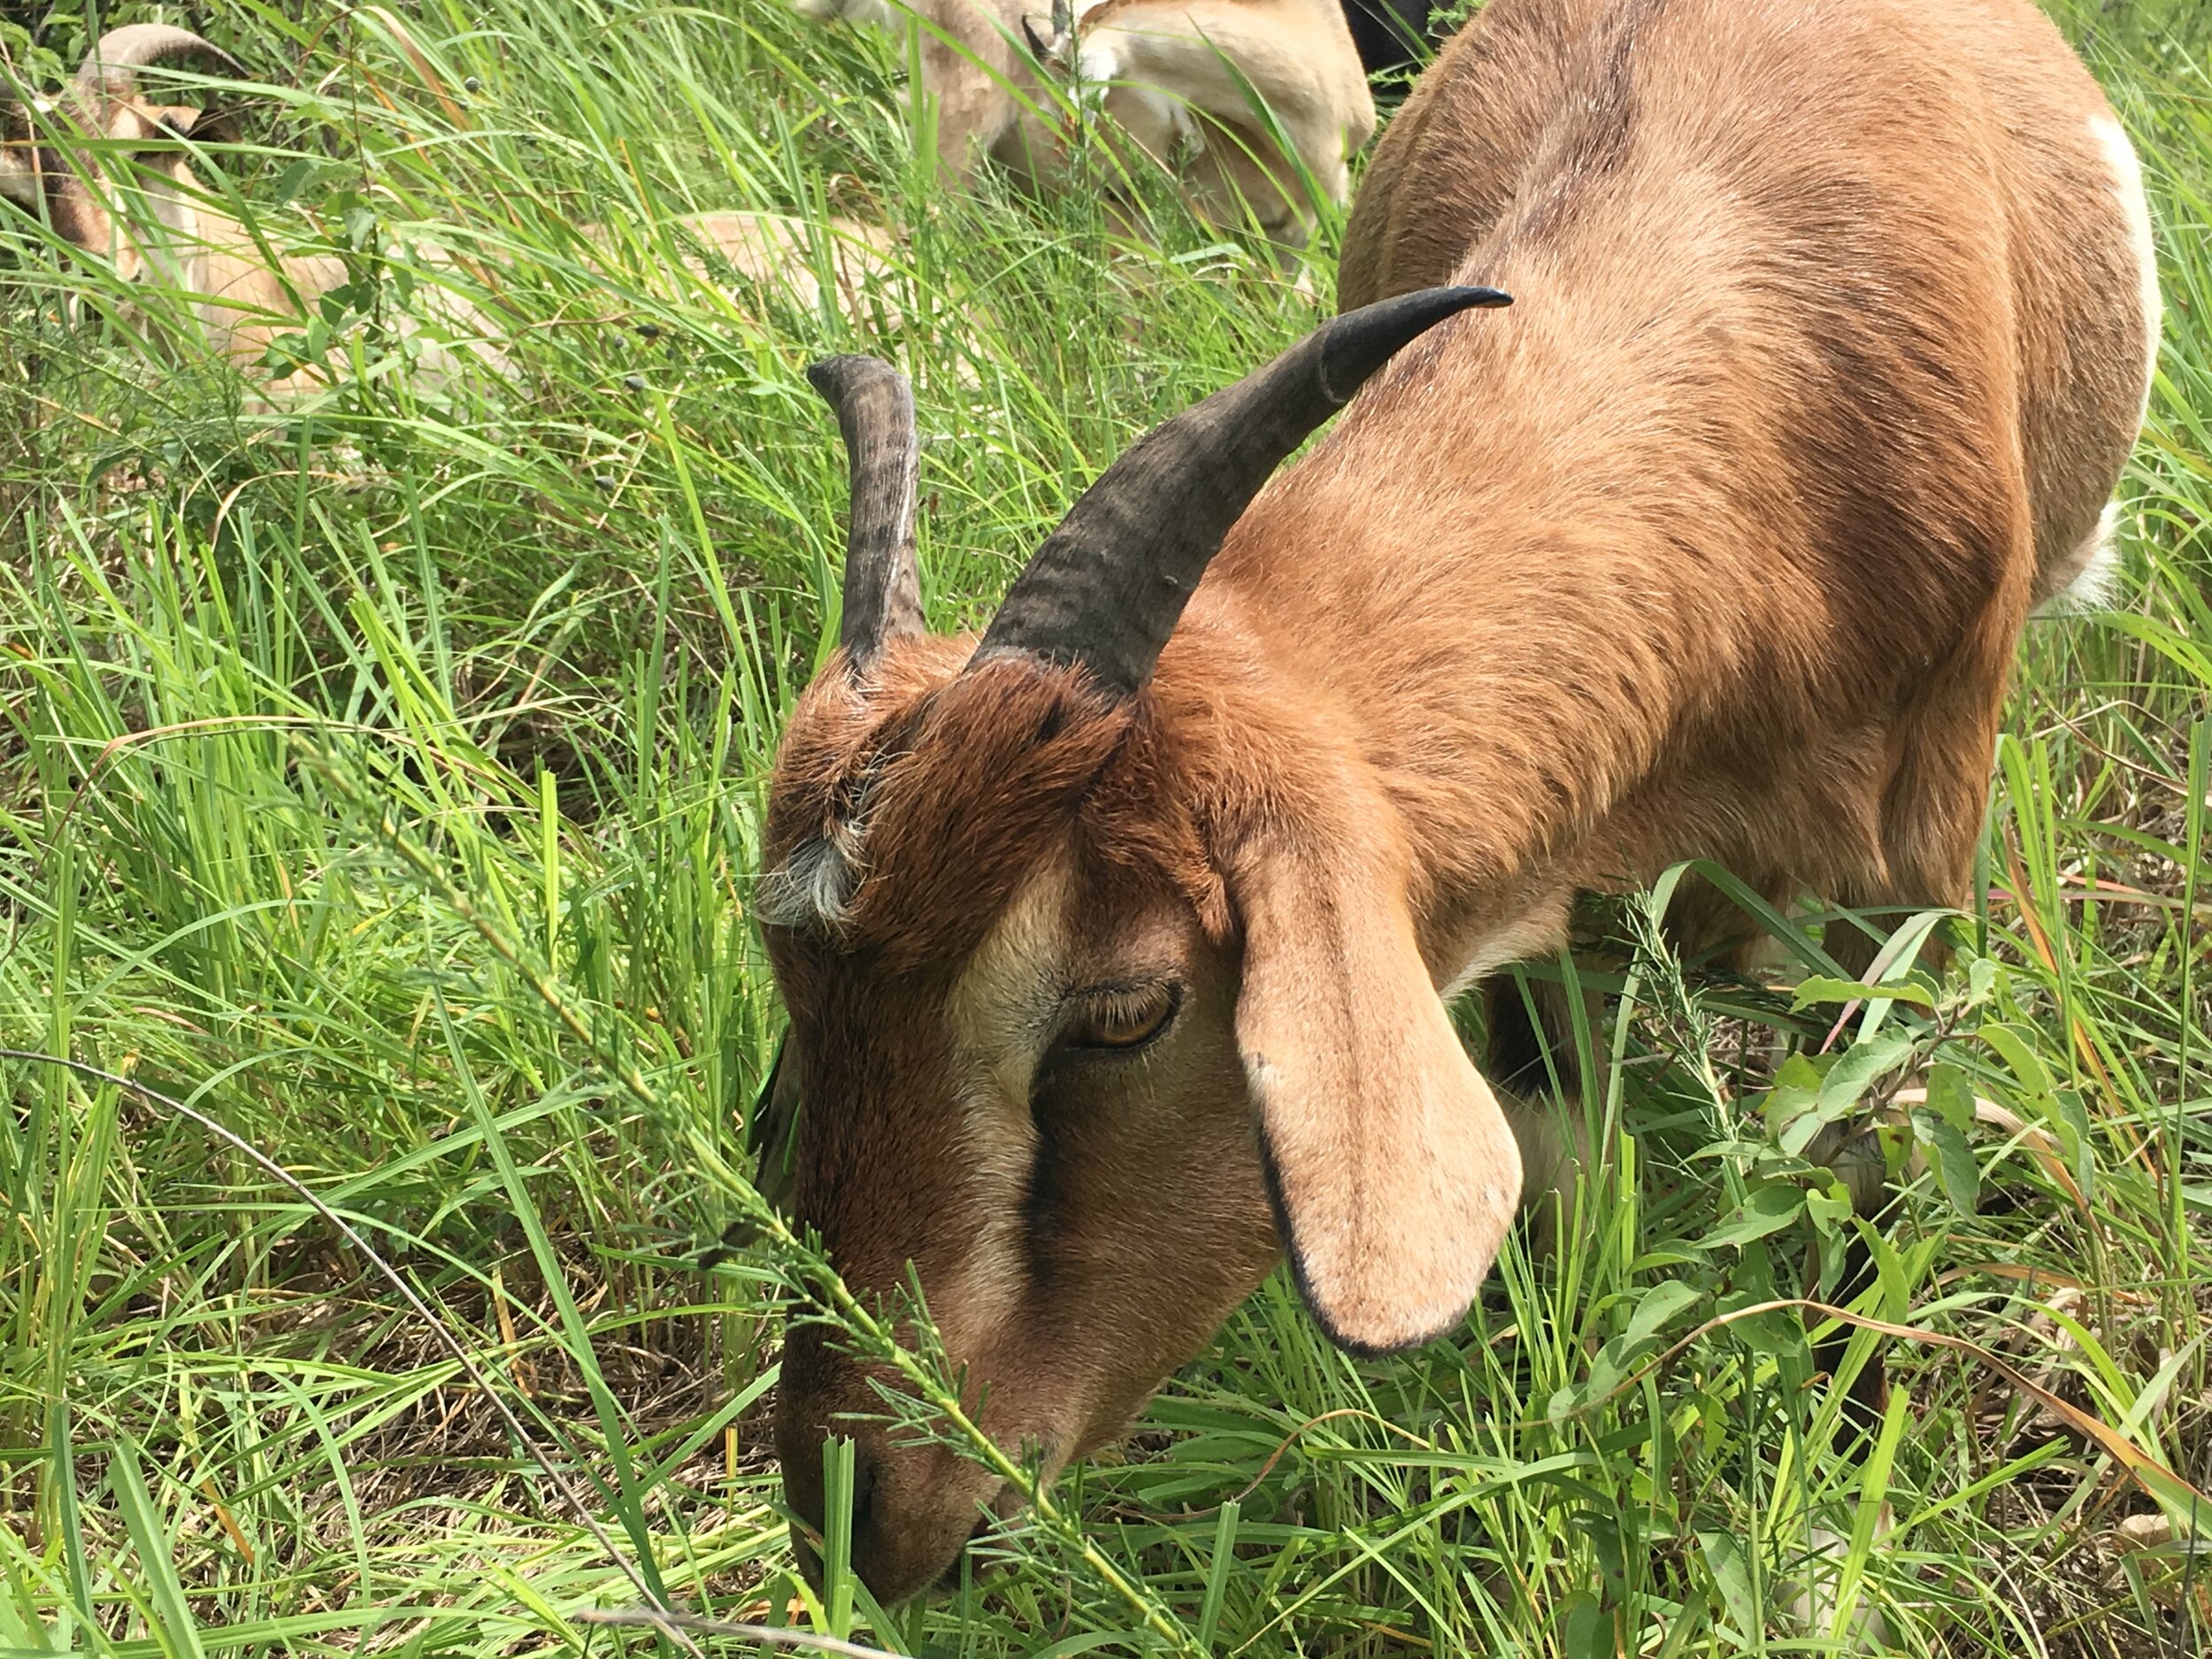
205	126
1393	1171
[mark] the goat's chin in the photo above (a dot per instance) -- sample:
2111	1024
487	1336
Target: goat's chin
922	1557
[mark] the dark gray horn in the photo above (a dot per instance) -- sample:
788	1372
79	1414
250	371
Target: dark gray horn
112	66
883	588
1105	589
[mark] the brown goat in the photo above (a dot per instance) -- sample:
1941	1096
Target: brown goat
1117	944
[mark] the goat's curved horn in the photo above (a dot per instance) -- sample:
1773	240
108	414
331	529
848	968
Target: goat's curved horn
883	589
112	66
1105	589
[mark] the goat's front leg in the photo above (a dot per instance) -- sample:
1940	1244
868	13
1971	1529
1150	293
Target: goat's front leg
1534	1066
971	73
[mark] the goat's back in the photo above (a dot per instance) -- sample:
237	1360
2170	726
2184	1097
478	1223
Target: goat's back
1830	338
1885	132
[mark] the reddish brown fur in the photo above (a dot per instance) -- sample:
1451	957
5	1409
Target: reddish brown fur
1828	349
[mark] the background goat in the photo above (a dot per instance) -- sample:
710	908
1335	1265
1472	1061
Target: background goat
164	226
1117	943
1176	78
168	229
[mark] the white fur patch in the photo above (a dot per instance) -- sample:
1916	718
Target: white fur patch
1001	1009
1151	113
2127	173
2090	574
1813	1601
1098	59
2096	567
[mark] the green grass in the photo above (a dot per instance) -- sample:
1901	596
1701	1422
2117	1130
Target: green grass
382	780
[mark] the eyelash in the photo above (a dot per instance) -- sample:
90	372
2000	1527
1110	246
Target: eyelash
1153	1007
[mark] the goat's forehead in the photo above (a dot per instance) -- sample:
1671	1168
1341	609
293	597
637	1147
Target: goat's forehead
1005	992
992	994
964	974
909	825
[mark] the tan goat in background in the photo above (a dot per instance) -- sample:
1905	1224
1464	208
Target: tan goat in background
1175	78
1117	943
162	226
169	231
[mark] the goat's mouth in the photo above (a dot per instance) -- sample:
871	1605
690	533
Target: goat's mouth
1003	1506
875	1552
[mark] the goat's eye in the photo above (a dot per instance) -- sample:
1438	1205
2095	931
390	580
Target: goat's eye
1123	1018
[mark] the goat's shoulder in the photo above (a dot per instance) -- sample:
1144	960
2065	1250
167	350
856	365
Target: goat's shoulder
1447	167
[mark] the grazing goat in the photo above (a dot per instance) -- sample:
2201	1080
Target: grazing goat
244	294
773	255
1177	80
1118	943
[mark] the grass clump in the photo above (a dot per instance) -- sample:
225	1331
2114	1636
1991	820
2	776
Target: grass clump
382	779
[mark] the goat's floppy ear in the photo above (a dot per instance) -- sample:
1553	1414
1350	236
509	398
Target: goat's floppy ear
1392	1173
202	126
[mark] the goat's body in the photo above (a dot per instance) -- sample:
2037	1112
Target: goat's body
1181	76
165	231
1719	545
1118	939
244	302
755	257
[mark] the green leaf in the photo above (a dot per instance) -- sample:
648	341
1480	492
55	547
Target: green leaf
1657	1306
170	1615
1768	1210
1796	1091
1951	1096
837	1533
1588	1631
1821	989
1960	1177
1725	1559
1981	979
1224	1557
1862	1064
1801	1131
1896	1143
294	179
2073	1118
2013	1048
1827	1210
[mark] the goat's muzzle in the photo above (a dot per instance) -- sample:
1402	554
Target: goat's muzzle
917	1502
